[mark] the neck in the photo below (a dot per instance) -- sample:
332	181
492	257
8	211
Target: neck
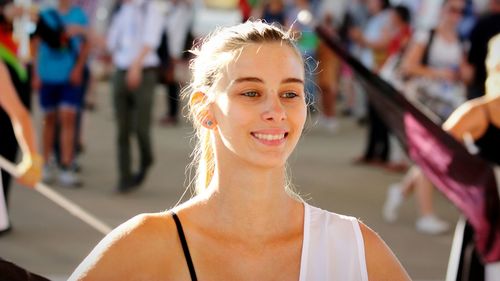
250	201
64	6
446	28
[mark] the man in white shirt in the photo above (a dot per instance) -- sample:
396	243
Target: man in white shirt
133	36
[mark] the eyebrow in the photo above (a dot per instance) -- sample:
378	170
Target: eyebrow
256	79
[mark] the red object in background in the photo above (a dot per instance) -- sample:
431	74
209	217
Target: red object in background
7	41
246	10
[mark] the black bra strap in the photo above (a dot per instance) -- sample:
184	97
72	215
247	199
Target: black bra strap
185	248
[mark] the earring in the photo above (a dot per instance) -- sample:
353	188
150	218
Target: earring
209	123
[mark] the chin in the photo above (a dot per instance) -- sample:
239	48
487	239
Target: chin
270	162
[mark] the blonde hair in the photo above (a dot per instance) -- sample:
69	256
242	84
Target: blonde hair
212	55
493	66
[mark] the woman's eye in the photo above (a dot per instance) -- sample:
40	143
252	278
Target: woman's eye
289	95
250	94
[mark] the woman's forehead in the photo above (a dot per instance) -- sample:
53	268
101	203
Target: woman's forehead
266	58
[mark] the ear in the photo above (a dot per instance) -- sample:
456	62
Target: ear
203	115
197	99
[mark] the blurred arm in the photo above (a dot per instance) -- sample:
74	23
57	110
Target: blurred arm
23	129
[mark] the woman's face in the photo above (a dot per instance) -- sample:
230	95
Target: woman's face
260	105
395	19
453	11
374	6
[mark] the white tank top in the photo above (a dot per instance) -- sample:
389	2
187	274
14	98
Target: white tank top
333	247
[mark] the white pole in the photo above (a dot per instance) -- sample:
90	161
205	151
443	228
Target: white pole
60	200
4	215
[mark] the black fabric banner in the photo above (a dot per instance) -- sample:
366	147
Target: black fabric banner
466	180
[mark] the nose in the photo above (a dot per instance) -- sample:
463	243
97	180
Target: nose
274	109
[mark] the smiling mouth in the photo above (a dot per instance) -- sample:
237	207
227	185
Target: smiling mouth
270	137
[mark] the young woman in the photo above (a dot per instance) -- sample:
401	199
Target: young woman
434	58
247	103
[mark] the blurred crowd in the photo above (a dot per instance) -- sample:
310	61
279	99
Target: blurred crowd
433	51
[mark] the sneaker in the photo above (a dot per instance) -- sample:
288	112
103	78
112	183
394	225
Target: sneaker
68	178
431	224
76	167
329	124
392	203
48	174
6	231
126	186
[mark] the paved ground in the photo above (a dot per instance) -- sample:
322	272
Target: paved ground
48	240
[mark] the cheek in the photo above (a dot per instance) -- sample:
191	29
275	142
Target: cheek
299	114
231	117
221	110
303	119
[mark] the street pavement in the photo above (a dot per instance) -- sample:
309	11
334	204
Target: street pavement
49	241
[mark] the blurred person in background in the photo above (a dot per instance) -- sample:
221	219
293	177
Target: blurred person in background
58	73
487	26
210	14
88	7
173	56
400	23
331	15
479	119
356	16
374	40
13	110
435	59
18	74
307	43
16	129
133	37
271	11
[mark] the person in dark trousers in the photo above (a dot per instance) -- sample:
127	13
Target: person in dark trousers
136	76
374	41
176	40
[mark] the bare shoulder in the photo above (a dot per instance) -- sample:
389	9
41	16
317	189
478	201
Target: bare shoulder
140	248
494	106
470	117
381	262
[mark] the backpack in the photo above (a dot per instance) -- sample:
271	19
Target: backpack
54	37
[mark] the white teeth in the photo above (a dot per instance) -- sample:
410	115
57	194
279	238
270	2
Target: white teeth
269	137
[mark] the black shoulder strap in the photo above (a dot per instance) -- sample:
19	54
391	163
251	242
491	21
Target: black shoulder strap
62	27
57	17
185	248
425	57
